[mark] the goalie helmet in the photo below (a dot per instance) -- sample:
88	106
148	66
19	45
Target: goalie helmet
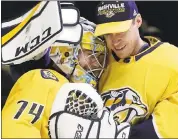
82	63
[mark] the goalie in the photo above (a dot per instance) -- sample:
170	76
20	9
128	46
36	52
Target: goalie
43	100
80	58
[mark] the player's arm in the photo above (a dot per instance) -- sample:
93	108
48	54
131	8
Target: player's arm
163	122
166	112
26	108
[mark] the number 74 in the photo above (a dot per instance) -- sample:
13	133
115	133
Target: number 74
31	111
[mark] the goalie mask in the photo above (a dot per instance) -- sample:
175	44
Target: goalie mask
82	63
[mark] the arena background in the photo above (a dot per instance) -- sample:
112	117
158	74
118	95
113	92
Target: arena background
160	20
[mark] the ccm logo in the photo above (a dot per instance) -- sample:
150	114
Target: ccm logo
34	42
79	131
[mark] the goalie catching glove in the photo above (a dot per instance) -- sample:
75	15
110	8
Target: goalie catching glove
78	112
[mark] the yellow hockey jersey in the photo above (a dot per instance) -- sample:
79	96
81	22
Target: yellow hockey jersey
143	85
28	107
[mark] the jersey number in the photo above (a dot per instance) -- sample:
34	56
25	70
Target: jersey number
37	114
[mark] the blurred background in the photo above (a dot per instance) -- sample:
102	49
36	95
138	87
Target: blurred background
160	20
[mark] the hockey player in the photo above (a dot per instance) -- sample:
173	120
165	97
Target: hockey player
28	107
140	84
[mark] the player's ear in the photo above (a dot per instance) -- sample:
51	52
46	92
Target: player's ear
138	20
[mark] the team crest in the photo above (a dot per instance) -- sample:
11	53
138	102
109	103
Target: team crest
109	14
46	74
109	10
126	105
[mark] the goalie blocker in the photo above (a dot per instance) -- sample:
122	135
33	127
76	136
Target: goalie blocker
82	108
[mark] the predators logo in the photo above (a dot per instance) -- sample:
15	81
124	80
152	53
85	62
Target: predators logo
110	10
125	104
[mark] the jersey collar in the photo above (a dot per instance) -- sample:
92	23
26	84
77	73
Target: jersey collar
146	49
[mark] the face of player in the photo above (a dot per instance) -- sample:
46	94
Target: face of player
125	44
90	61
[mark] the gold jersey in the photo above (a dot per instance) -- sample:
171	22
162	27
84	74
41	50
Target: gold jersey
28	107
143	85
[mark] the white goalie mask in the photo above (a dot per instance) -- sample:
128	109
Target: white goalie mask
82	63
